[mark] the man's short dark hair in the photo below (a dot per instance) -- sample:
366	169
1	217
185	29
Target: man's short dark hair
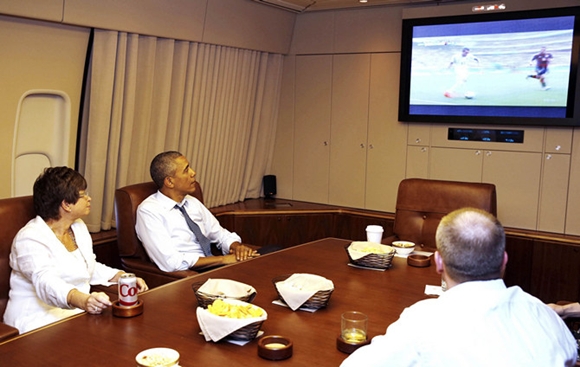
163	165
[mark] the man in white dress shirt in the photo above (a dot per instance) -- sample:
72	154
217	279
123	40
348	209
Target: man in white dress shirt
477	321
162	227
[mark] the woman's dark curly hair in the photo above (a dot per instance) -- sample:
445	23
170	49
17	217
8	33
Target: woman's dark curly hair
53	186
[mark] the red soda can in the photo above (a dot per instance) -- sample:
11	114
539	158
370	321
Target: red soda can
128	290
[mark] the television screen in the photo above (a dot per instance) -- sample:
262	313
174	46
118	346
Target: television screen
493	68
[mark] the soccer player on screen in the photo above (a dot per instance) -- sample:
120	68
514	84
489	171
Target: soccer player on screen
542	60
460	62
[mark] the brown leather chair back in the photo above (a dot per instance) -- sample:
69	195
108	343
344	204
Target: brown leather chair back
14	214
133	256
421	204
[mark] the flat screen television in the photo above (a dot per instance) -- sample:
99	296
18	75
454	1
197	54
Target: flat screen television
501	67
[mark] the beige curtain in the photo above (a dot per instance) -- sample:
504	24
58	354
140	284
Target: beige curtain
217	105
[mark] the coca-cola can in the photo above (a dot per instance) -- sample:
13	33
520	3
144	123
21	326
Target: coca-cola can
128	290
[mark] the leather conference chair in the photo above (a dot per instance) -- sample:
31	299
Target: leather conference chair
14	214
134	258
421	204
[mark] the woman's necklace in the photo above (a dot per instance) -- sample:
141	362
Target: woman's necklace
68	240
71	235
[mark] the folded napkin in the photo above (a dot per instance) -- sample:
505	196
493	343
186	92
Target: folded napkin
358	249
433	290
216	327
298	288
226	288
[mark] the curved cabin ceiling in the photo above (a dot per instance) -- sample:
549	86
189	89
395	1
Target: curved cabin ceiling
299	6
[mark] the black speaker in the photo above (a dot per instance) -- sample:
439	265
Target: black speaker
269	182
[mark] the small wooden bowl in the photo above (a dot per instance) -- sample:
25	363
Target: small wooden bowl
348	347
127	311
275	347
418	261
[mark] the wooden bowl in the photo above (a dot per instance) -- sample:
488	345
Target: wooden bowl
418	261
275	347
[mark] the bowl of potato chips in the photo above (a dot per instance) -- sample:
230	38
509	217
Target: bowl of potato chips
403	248
370	254
236	320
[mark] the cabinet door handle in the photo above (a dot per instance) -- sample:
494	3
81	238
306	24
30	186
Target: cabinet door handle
488	154
417	140
362	145
478	152
548	156
325	143
423	150
371	146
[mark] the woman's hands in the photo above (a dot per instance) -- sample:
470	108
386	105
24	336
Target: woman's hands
93	303
141	285
97	302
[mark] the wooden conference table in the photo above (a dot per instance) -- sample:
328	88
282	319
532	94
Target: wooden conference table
169	319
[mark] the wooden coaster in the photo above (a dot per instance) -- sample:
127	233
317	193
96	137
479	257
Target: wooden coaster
127	311
347	347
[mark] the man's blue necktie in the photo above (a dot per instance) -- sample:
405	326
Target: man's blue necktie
203	240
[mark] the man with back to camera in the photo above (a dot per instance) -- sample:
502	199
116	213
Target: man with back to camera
163	229
478	321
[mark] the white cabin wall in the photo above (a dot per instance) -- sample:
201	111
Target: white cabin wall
44	44
37	55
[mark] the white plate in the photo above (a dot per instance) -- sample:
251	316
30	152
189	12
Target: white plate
158	357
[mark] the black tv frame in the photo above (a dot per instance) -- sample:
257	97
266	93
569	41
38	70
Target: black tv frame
477	115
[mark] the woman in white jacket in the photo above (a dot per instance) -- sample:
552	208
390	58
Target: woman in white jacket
52	259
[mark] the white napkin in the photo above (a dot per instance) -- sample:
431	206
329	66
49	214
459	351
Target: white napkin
216	327
433	290
226	288
358	249
298	288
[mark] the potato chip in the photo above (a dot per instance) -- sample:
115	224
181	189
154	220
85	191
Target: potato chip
235	311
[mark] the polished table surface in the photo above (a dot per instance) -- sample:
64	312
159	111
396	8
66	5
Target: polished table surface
169	318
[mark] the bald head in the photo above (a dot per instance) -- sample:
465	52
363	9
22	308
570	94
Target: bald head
471	243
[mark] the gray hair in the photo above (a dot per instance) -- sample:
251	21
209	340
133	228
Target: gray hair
472	244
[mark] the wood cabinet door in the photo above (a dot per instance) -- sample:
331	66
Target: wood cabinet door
348	150
353	227
516	176
554	193
284	230
308	227
260	230
312	128
417	162
456	164
555	272
386	136
520	258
